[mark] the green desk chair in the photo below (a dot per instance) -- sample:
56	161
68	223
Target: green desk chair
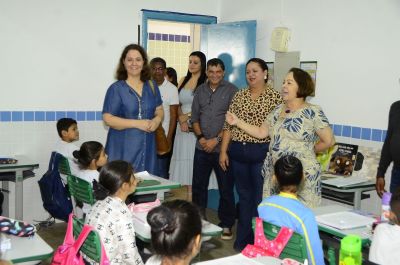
295	249
92	245
63	166
80	190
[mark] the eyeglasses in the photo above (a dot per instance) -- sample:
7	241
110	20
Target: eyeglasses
158	69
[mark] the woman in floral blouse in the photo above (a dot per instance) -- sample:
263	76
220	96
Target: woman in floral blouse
111	217
296	128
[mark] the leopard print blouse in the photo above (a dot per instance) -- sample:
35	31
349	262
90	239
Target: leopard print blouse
251	111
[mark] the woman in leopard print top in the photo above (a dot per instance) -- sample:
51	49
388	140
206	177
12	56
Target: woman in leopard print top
247	153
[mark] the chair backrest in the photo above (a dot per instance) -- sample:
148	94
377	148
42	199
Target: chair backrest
92	245
63	166
80	189
296	247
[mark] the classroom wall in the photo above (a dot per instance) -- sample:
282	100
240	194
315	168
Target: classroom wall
356	44
57	59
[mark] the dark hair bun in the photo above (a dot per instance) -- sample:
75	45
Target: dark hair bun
161	219
76	154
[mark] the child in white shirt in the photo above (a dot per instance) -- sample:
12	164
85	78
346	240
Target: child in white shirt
67	129
386	240
90	157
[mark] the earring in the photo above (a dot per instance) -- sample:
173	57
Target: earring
265	76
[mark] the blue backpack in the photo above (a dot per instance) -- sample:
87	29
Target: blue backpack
55	197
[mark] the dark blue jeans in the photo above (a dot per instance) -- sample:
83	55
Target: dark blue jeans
395	180
163	162
246	161
203	164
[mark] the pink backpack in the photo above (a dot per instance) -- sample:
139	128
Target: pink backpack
265	247
68	252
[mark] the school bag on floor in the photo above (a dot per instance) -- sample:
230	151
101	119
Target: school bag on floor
55	197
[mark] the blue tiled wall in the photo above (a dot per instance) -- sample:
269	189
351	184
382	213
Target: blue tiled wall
370	134
355	132
19	116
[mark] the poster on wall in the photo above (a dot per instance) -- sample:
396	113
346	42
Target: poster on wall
311	68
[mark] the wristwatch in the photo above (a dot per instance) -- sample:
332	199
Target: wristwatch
219	139
200	136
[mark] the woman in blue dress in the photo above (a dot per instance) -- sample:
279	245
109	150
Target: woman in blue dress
133	110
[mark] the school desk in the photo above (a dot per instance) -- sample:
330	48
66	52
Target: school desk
16	174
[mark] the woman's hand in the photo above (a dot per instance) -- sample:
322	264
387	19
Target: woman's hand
183	118
184	126
153	124
231	118
143	125
224	161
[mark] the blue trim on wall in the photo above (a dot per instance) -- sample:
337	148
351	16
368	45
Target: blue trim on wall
20	116
172	16
370	134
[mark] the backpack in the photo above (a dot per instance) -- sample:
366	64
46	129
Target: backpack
54	194
68	252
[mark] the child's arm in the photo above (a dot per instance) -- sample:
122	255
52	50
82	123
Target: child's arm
314	239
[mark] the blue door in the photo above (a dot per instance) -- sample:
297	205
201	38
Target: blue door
234	43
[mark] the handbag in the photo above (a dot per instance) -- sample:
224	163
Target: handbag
265	247
68	252
161	140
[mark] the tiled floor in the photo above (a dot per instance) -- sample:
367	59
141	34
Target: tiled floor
214	248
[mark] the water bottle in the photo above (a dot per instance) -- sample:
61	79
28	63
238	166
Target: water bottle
385	205
350	250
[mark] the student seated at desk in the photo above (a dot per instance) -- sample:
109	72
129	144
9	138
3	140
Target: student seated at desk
286	210
90	157
175	233
111	217
386	240
68	131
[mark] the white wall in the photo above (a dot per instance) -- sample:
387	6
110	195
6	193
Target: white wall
58	56
51	50
356	44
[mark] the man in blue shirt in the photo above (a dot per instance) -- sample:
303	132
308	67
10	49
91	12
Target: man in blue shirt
210	104
286	210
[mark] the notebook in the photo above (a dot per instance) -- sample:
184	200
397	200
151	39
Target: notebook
344	220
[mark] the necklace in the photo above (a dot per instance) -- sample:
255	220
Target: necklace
140	105
138	99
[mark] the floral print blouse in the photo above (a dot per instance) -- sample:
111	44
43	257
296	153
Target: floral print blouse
295	134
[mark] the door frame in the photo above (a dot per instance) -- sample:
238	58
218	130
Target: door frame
173	17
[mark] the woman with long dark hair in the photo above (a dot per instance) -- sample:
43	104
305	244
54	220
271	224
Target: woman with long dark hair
181	168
